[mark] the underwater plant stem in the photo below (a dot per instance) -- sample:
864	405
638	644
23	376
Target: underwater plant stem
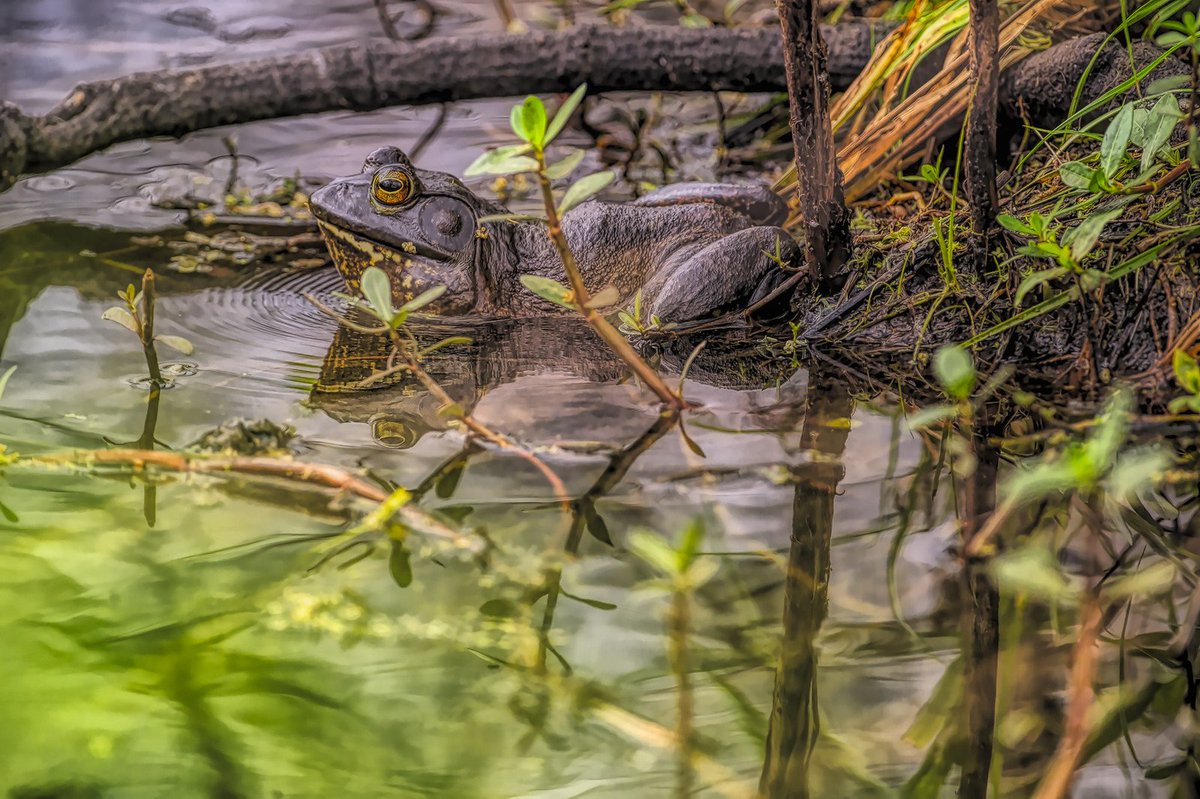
147	329
679	624
980	624
821	204
609	334
1081	692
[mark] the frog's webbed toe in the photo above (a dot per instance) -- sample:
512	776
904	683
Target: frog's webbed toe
732	273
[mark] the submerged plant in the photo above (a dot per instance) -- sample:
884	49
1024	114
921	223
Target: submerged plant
137	316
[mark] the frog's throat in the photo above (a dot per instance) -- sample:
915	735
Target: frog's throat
352	254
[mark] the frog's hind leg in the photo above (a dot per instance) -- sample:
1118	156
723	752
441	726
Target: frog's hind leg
757	203
732	273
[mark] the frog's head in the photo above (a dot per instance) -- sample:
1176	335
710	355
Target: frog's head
417	226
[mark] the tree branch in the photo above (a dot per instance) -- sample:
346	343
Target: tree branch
366	75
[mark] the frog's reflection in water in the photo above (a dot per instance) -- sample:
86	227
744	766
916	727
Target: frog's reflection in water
400	410
549	357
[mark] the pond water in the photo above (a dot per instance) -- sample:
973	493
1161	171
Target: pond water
234	636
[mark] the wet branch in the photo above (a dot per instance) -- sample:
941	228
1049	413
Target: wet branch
980	144
317	474
362	76
822	206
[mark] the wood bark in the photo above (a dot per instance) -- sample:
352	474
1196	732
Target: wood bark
822	206
367	75
980	144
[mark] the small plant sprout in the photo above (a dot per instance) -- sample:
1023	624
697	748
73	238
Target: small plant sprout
1187	375
537	131
137	316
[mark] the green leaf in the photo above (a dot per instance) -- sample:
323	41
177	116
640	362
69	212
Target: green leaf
1010	222
1076	174
1109	435
927	417
1162	121
1140	118
400	565
177	343
1116	141
941	708
502	161
1187	371
689	545
566	166
955	371
547	289
604	298
1149	581
1033	571
377	289
123	318
1034	483
654	551
598	604
8	373
422	299
583	188
528	121
500	609
452	341
1083	238
564	113
1035	279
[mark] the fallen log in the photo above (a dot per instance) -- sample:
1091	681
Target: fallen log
363	76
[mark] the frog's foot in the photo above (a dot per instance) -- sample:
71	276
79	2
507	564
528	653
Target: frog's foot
757	203
732	273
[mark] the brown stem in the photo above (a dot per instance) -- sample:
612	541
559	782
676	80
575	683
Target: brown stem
822	206
609	334
1057	781
678	623
147	328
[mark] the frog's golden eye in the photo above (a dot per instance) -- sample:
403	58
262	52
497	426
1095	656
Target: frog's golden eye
392	187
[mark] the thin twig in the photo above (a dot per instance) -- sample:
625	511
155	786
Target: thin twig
1058	777
319	474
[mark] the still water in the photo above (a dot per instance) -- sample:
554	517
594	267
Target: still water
223	635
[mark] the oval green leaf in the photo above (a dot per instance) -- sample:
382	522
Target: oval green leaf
377	290
177	343
564	113
584	188
549	290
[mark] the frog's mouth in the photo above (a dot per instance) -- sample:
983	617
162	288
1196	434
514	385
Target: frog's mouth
411	272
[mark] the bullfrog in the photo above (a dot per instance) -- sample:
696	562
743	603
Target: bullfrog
691	250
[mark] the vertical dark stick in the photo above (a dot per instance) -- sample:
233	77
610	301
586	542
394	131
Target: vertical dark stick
794	724
822	206
980	146
980	627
